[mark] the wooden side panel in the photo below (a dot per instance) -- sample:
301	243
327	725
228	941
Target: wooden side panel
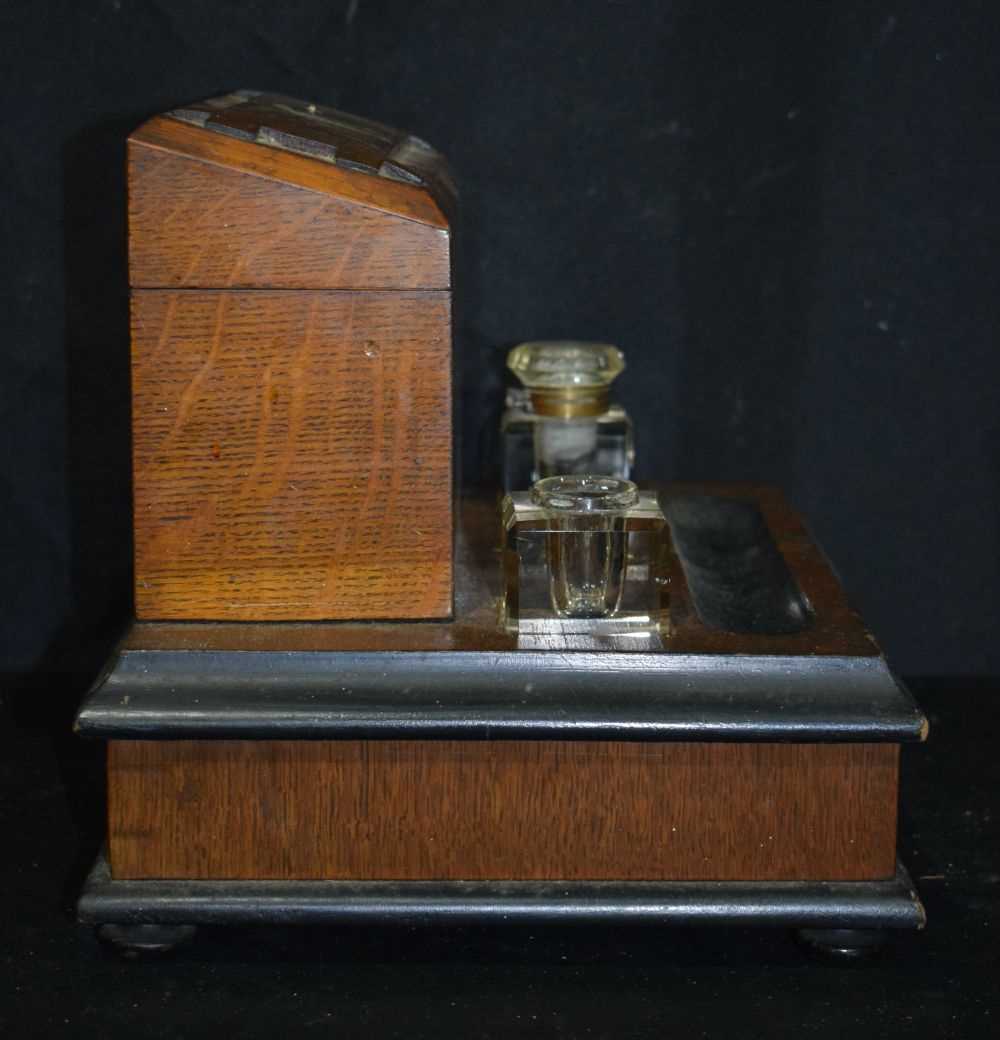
292	455
502	810
194	224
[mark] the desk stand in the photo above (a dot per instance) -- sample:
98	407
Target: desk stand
722	772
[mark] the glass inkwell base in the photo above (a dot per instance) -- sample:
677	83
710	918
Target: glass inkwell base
584	555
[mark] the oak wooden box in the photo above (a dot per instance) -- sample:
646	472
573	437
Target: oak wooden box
291	366
456	753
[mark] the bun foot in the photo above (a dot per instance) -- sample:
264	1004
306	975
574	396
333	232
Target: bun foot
842	944
145	940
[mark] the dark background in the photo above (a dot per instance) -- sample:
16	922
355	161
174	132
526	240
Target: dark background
784	212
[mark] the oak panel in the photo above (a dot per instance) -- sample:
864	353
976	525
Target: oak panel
292	455
502	810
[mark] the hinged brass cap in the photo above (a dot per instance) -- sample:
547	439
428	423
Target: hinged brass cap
567	378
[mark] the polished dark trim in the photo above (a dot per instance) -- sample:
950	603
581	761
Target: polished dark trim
545	695
798	904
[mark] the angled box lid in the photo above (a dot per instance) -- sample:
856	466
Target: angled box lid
255	190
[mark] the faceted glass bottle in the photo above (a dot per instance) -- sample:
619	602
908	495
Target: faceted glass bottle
584	554
562	422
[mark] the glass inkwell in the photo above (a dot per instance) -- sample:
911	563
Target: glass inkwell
584	554
561	420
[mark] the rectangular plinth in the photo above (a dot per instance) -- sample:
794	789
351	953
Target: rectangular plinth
524	810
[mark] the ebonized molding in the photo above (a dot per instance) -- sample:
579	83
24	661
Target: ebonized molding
495	695
802	904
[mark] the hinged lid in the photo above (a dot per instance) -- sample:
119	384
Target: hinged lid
255	190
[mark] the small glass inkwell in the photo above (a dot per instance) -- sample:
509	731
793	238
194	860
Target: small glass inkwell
561	419
584	554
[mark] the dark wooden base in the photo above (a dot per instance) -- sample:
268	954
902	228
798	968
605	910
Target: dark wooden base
447	773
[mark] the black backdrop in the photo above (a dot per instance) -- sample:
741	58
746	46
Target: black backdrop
783	212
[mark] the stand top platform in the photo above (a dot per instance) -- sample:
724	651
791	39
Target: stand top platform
721	672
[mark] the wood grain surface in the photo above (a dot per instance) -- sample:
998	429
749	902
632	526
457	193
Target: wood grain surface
197	224
292	455
502	810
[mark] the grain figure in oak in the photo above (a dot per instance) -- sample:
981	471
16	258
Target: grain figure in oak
291	366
